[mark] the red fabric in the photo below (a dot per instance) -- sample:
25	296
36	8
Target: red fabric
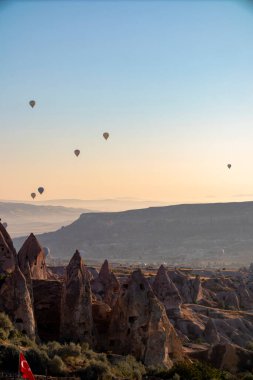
24	368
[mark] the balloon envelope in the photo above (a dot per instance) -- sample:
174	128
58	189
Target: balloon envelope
41	190
106	135
46	251
77	152
33	195
229	166
32	103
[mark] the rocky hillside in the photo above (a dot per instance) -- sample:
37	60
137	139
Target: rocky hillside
163	318
201	233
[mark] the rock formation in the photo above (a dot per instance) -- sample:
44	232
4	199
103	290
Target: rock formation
31	252
167	293
227	357
106	286
139	325
7	238
131	314
15	299
101	313
190	289
7	256
47	296
76	311
210	333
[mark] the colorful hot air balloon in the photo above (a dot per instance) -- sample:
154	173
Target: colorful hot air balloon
229	166
77	152
41	190
32	103
33	195
5	225
106	135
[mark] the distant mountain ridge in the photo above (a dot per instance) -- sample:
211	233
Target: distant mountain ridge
107	204
197	233
22	218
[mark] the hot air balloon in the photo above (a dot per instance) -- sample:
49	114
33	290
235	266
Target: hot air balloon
46	251
33	195
106	135
77	152
41	190
5	225
229	166
32	103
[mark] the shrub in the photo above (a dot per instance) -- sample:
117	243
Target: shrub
6	326
9	358
248	376
56	366
249	345
129	368
84	347
67	350
51	348
95	371
186	371
196	371
38	360
24	340
3	334
176	377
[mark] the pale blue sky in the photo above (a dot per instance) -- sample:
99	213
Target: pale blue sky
172	81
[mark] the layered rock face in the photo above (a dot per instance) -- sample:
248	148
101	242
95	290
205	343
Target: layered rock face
7	256
47	297
139	325
227	357
76	310
7	239
101	313
210	333
203	316
228	294
32	253
15	299
167	292
131	314
106	286
190	289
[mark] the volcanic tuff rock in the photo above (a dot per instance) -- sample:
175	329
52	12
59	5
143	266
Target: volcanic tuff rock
47	308
210	333
77	324
101	313
7	238
7	256
231	295
32	252
232	326
15	299
227	357
106	286
245	296
139	325
190	289
189	324
167	292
